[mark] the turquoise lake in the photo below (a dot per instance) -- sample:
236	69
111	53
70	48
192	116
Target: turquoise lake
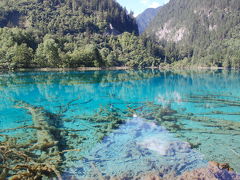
119	122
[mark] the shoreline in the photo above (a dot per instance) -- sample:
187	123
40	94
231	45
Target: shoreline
112	68
66	69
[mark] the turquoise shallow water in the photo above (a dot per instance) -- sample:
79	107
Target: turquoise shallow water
165	121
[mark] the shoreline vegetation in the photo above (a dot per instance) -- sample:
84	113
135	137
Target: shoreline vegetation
66	69
164	68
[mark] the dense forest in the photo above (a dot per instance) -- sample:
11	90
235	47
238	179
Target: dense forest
101	33
200	33
71	33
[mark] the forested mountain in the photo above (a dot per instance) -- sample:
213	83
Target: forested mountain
70	33
144	19
66	16
101	33
204	32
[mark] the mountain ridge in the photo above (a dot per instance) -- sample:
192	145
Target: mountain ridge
200	31
144	19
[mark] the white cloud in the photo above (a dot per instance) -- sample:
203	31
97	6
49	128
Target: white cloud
166	1
144	4
154	4
144	1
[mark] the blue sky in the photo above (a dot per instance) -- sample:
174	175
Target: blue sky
138	6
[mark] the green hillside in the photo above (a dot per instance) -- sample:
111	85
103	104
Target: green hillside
67	16
70	33
203	33
101	33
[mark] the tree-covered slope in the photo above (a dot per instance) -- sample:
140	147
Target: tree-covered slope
205	31
67	16
71	33
144	19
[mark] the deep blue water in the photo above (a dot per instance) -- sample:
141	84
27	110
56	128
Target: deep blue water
205	125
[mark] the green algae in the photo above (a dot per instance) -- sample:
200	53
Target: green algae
35	157
44	144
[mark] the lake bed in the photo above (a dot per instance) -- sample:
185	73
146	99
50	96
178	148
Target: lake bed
122	122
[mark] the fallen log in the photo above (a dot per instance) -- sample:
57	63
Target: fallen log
46	140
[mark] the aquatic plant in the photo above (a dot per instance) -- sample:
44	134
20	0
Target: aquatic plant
43	154
35	159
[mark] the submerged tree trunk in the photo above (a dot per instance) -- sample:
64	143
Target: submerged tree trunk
44	122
